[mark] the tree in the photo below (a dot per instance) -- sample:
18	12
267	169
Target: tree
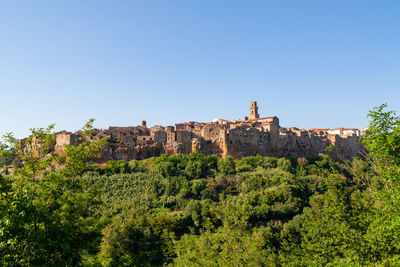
45	215
7	153
331	229
383	142
225	247
140	239
226	165
383	136
355	222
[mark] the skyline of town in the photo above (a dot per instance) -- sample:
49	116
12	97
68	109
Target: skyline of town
311	64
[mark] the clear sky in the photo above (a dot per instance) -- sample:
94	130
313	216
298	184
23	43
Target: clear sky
311	63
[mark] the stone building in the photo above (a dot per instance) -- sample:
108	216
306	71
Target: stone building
239	138
254	111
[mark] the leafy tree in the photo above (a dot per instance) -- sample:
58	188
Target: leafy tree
137	240
7	152
196	169
285	164
118	166
383	142
166	166
250	163
198	187
383	137
270	162
227	165
45	216
225	247
76	157
331	229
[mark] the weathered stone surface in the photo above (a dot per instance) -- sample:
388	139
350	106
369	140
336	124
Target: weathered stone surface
238	138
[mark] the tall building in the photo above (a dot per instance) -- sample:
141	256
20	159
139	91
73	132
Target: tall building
254	111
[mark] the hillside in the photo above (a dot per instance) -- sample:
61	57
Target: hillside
201	210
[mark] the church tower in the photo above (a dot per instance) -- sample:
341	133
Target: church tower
254	111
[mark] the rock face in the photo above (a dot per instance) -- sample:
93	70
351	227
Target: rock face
221	137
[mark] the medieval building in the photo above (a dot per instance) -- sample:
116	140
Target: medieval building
248	137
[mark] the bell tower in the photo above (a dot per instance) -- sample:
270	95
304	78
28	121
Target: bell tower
254	111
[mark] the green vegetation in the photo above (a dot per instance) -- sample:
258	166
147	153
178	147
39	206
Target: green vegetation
197	210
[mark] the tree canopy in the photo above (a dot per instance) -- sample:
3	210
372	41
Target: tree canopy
198	210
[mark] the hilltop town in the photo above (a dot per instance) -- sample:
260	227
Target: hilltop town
251	136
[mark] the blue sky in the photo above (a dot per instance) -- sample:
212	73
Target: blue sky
311	63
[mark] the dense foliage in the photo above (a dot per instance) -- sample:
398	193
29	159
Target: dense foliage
197	210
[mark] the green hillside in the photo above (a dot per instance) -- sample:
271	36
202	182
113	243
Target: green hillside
197	210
